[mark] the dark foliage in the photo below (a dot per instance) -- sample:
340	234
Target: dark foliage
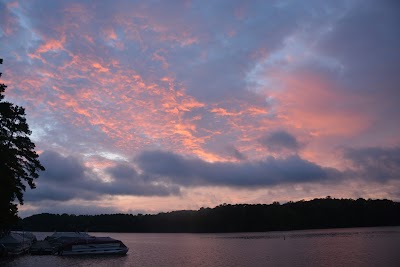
19	164
314	214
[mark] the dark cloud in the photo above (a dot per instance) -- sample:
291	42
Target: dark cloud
236	154
163	173
60	169
45	192
173	168
375	163
128	182
67	178
280	140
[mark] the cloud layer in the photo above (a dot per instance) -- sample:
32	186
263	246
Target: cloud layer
164	173
66	178
137	102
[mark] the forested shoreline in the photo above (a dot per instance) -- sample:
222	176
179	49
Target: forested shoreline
314	214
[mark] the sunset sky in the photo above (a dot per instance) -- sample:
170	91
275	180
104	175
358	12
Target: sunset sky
149	106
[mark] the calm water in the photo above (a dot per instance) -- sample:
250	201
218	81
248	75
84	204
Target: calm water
337	247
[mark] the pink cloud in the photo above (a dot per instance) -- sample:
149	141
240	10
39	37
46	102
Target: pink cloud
123	78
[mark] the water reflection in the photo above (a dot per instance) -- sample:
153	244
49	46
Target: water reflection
313	234
338	247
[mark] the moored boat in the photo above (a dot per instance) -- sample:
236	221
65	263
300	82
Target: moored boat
65	237
84	244
94	245
16	243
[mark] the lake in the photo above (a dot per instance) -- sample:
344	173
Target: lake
378	246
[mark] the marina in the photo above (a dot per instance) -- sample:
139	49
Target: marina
61	244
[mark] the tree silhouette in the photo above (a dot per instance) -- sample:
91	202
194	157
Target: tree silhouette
318	213
19	164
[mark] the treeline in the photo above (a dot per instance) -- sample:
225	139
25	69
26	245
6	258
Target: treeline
313	214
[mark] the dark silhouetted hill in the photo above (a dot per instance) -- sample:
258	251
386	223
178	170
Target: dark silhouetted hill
313	214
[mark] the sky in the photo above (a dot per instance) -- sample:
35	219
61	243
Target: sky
154	106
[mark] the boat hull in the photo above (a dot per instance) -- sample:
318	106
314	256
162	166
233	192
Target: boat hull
69	244
94	251
16	243
116	248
